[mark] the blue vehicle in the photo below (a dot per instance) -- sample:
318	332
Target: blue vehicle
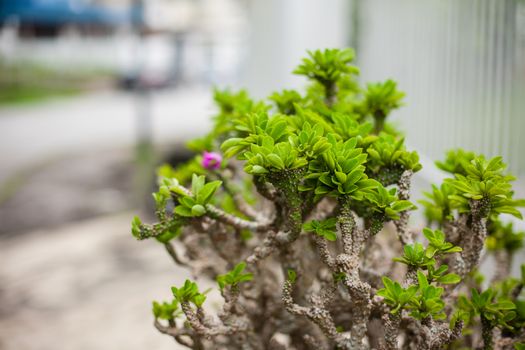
56	13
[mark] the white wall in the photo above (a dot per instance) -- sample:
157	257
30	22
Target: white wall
280	33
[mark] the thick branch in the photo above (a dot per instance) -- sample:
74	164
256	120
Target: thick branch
503	264
229	219
324	252
404	234
265	249
209	332
486	333
239	200
477	233
235	221
176	333
318	314
173	253
330	93
346	221
391	324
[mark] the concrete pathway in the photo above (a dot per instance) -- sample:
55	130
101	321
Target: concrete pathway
31	134
85	286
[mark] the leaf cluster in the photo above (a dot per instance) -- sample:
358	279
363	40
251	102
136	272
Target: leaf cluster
456	161
339	170
325	228
438	205
386	203
476	181
189	292
396	296
328	66
233	106
271	157
498	311
309	141
201	194
422	300
347	125
234	277
252	129
416	255
427	302
166	311
286	101
387	152
484	180
381	98
504	237
437	245
439	275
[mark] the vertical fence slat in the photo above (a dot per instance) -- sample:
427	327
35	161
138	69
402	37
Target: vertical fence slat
462	65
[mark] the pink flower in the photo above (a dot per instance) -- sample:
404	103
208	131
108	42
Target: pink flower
211	160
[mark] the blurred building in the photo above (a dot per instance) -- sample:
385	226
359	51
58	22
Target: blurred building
169	41
48	18
461	63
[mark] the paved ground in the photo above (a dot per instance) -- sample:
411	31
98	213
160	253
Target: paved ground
32	134
68	189
84	286
88	284
73	159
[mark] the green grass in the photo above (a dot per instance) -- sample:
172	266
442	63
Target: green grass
26	93
28	82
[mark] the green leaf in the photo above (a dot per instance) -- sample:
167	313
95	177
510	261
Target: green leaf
519	346
197	182
329	235
504	305
230	143
392	214
341	177
403	205
355	176
239	268
422	280
292	275
183	211
367	184
198	300
388	283
235	276
187	201
257	169
430	252
198	210
207	191
275	160
135	227
245	277
454	250
168	235
450	278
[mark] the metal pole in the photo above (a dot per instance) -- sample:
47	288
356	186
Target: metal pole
144	120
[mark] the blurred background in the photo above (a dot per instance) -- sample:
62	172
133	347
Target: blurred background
95	93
